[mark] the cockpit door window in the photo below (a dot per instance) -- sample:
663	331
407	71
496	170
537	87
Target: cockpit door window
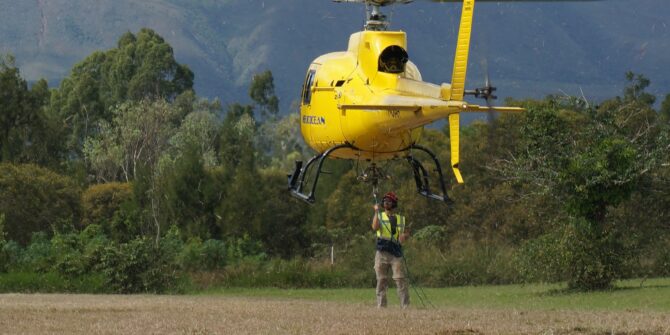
307	87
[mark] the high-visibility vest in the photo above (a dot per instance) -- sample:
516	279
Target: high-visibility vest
384	230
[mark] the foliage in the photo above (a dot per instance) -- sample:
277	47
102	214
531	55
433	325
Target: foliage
635	90
24	127
552	194
262	92
141	67
590	162
461	263
139	266
35	199
191	194
51	282
203	256
139	134
101	202
665	109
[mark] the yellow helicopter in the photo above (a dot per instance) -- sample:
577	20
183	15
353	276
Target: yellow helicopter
369	103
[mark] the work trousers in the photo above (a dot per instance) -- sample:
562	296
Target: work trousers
384	261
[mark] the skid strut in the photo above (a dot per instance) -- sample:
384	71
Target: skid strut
296	180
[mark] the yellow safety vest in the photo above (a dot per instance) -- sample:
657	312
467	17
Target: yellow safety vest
384	230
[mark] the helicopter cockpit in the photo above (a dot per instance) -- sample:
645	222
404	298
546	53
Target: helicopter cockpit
393	60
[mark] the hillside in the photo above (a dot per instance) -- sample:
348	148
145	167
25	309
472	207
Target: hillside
532	49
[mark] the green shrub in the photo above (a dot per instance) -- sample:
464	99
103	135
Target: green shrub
240	248
213	255
35	199
51	282
10	255
464	263
295	273
141	265
112	207
587	256
37	255
594	257
198	256
431	235
542	259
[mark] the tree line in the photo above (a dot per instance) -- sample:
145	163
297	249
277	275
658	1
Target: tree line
123	176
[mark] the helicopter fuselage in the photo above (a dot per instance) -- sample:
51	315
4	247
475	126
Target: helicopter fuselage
371	97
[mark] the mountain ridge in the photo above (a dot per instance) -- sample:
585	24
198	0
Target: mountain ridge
532	49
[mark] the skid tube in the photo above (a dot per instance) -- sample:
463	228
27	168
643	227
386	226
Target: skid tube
421	175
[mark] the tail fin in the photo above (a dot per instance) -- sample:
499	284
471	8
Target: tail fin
458	81
454	140
462	51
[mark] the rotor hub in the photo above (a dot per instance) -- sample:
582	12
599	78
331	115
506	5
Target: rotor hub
376	20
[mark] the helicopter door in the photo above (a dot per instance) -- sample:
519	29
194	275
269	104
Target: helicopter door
307	87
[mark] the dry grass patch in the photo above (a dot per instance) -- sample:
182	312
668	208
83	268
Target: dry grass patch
114	314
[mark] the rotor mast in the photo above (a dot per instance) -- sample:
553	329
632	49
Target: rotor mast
376	20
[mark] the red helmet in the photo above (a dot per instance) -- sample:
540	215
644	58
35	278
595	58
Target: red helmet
391	196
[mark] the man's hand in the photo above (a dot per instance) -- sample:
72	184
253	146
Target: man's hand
376	207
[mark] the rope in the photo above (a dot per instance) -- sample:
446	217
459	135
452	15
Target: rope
418	290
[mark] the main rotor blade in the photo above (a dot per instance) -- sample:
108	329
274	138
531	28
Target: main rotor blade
520	0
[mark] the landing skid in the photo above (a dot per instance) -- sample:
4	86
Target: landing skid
421	176
296	180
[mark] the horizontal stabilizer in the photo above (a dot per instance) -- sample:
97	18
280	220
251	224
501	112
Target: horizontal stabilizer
485	109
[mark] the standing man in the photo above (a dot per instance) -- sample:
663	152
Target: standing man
391	233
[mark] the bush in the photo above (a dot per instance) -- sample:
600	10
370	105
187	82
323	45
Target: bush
100	203
90	262
35	199
280	273
37	255
10	255
112	207
241	248
464	263
587	256
207	256
51	282
542	259
141	265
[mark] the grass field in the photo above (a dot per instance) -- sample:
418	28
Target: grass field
531	309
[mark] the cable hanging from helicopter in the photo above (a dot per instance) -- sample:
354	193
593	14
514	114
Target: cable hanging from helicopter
371	105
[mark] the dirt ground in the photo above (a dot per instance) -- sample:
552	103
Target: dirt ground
116	314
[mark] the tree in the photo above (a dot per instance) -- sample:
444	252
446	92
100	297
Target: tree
141	67
13	104
238	156
131	147
262	92
24	132
589	164
635	91
138	135
192	194
665	109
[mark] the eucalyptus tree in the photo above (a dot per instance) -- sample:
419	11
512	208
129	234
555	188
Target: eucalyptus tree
26	135
665	109
140	67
